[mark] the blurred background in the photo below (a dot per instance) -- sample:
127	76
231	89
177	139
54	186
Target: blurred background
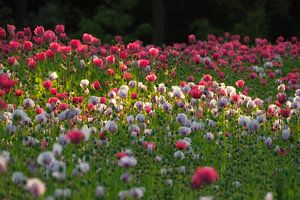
157	21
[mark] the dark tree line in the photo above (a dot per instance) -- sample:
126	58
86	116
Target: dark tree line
157	21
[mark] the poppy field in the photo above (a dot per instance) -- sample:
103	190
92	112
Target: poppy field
205	119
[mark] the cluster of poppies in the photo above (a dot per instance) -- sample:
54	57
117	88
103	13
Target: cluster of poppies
71	104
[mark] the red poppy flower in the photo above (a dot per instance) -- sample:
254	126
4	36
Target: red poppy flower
143	63
40	56
240	83
13	46
87	38
75	136
281	97
5	82
285	112
3	104
196	94
207	77
59	28
62	95
91	106
150	146
27	46
120	155
103	100
18	92
192	38
133	95
127	76
252	75
2	33
63	106
154	52
39	31
31	63
39	110
12	60
235	97
53	91
110	59
111	72
77	99
204	175
96	85
52	100
47	84
181	145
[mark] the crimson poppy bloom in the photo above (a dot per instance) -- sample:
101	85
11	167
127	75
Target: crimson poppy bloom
196	94
75	136
96	85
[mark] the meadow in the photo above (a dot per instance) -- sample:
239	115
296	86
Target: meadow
206	119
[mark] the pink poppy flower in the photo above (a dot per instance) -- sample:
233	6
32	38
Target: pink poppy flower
31	63
154	52
59	28
27	46
151	77
39	31
240	83
110	59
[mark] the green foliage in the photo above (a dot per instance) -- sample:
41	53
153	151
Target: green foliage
114	18
255	24
49	15
202	27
